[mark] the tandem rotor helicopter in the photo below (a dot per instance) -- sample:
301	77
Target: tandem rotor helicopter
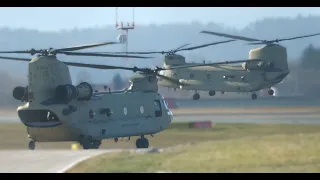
55	110
248	77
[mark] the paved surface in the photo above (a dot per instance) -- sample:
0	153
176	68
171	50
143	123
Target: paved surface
278	119
50	161
45	161
247	102
283	118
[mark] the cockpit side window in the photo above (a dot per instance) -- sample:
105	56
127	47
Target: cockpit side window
157	108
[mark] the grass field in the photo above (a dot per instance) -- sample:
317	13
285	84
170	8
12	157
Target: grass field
14	136
225	148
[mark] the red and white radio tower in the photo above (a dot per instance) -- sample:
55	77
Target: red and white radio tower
124	29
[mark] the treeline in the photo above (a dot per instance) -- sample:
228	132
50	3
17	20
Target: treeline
305	74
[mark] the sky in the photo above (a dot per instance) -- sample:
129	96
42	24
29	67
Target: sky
64	18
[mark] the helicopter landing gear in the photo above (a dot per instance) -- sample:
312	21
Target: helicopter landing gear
88	143
270	92
91	144
32	145
254	96
142	142
212	93
196	96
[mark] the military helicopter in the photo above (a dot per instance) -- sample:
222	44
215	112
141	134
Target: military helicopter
248	77
55	110
169	78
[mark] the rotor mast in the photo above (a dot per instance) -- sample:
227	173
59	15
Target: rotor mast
124	30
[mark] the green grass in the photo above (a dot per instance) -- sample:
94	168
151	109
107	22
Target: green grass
14	136
225	148
274	153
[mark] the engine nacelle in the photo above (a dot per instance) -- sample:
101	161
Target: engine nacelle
68	92
20	93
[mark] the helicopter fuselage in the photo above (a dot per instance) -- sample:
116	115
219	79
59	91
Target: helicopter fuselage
248	77
105	115
226	78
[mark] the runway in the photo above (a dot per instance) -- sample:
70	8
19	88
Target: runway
247	102
45	161
50	161
278	119
295	116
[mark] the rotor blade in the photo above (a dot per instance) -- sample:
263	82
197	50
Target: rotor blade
152	52
15	59
230	36
74	48
257	43
97	66
298	37
178	49
156	52
205	45
18	52
101	55
94	66
181	47
211	64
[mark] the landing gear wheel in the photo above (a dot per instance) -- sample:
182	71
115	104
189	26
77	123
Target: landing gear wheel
142	143
87	143
32	145
270	92
253	96
95	144
212	93
196	96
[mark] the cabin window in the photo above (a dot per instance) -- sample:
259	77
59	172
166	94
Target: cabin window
106	112
157	108
125	111
141	109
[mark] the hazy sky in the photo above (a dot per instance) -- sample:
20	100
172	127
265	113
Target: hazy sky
54	19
